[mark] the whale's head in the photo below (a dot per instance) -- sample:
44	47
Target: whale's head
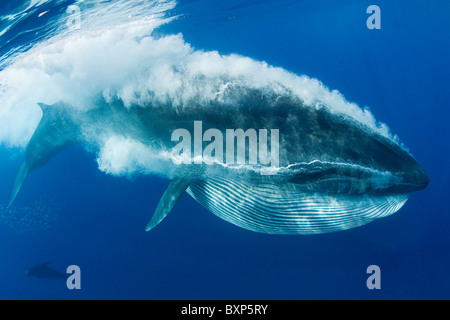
332	153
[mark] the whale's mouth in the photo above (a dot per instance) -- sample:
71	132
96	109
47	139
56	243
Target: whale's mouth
346	178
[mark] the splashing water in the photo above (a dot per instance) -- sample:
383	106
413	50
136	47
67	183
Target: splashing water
113	55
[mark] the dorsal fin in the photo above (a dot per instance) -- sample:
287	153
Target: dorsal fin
44	107
169	199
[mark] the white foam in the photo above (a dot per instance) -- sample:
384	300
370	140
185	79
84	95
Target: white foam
119	155
117	57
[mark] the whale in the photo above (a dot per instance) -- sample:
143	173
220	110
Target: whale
332	173
44	271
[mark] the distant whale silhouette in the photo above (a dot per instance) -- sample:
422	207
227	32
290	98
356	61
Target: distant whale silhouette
334	172
44	271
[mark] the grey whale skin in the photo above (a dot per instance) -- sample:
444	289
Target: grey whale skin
334	172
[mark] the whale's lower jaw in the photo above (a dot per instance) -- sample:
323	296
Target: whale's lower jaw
275	209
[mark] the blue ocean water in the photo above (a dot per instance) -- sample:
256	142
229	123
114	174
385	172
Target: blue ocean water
77	215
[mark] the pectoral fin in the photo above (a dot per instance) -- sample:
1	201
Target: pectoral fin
169	199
